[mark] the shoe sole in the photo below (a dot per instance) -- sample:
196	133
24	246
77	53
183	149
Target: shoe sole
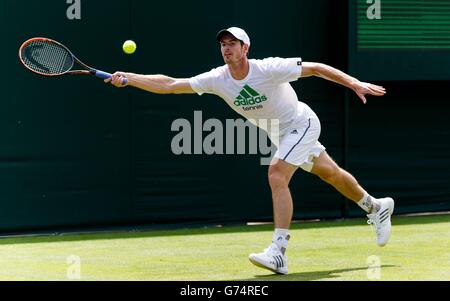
260	265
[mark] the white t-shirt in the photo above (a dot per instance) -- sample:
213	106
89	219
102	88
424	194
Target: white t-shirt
265	93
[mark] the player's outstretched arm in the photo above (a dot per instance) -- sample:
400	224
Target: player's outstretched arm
159	84
332	74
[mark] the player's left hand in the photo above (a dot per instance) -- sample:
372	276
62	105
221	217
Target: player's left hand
361	89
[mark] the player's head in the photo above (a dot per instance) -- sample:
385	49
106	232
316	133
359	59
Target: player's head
234	44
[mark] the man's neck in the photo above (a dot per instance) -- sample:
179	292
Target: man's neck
239	70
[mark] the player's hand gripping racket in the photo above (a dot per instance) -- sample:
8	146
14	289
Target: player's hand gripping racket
50	58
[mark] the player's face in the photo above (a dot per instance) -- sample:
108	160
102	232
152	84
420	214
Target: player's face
232	50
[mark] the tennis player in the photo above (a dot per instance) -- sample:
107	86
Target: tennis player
260	89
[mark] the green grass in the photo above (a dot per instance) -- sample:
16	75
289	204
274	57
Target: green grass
419	249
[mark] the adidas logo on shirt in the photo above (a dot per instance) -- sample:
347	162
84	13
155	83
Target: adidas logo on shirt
248	96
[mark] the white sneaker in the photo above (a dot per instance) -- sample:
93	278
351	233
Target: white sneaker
271	259
382	220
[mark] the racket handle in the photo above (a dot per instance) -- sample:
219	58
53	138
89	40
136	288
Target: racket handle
106	75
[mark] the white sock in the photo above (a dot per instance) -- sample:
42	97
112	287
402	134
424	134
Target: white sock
369	203
281	238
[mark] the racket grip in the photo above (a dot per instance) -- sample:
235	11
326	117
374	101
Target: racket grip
106	75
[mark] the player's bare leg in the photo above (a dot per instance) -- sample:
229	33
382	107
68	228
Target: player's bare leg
280	174
274	257
379	210
330	172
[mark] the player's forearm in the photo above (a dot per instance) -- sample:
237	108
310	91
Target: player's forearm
159	84
335	75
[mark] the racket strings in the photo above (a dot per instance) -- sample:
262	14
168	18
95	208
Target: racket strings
47	58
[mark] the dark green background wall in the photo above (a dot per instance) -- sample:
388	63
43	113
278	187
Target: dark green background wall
76	152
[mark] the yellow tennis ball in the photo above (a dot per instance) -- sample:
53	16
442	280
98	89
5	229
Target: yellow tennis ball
129	47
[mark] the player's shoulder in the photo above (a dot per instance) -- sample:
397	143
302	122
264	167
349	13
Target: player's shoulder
266	65
278	63
268	62
213	74
220	71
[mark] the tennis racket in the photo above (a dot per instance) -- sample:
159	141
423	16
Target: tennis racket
50	58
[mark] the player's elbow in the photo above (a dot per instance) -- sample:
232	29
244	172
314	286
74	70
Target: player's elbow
311	69
167	87
170	88
316	69
179	86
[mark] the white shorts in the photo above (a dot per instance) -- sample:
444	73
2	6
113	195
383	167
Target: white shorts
300	144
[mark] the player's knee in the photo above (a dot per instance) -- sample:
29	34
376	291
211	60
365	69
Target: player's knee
277	179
